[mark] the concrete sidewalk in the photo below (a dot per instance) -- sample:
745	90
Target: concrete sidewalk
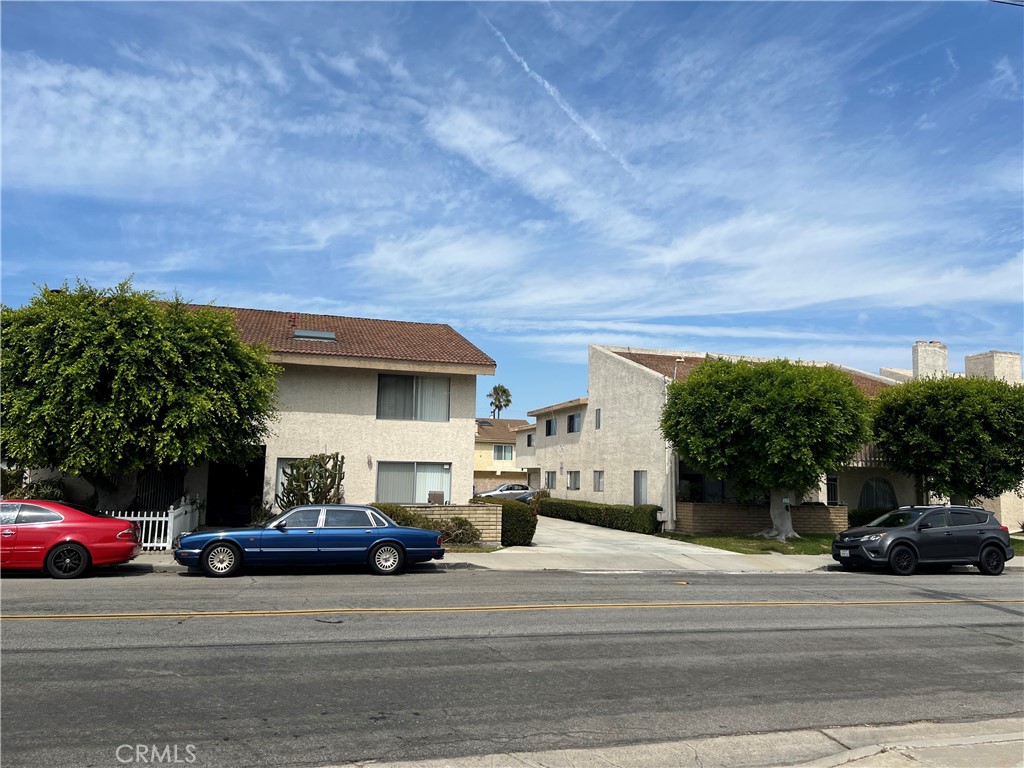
995	743
560	545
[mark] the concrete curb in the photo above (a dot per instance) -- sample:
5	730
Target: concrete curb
863	753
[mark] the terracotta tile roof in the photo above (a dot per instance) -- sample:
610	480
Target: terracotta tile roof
357	337
498	430
679	368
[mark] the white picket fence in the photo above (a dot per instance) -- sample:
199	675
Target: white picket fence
159	527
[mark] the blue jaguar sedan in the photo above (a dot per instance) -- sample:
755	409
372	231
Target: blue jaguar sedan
312	535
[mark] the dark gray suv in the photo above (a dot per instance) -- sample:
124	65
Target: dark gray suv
938	536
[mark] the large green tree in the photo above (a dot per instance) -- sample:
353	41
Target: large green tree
102	383
773	427
962	438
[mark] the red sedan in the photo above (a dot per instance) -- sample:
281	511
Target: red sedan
63	539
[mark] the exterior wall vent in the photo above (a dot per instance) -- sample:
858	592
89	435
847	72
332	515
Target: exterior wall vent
315	335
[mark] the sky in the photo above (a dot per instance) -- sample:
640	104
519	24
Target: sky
817	181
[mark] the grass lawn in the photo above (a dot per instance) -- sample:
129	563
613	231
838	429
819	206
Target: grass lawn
809	544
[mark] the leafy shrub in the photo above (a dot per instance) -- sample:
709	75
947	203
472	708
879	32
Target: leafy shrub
454	530
622	517
518	523
14	484
458	530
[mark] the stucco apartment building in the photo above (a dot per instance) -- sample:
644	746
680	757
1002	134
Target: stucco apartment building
608	446
494	454
396	399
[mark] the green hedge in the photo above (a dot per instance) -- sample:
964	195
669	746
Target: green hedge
518	521
453	530
622	517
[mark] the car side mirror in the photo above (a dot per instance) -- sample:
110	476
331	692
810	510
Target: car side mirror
282	525
923	526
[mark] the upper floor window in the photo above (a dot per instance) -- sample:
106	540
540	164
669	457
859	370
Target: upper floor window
597	418
574	422
529	439
550	427
503	452
413	398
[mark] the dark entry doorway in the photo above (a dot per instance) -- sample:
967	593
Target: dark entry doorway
232	492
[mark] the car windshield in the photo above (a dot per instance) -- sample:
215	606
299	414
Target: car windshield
897	518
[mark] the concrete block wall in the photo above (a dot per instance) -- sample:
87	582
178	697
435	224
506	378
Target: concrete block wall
745	519
486	517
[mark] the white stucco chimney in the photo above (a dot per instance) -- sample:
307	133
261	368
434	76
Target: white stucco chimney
1004	366
931	358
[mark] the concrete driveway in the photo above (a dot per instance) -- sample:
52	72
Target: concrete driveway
561	545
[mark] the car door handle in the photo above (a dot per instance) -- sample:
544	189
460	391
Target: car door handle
7	532
949	533
310	531
369	530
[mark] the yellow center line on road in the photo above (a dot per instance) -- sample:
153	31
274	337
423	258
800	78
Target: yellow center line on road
478	609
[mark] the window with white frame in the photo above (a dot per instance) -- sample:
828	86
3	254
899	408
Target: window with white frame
572	480
598	480
410	482
413	398
503	452
597	418
550	478
574	422
550	427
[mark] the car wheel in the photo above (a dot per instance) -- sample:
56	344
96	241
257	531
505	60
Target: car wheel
902	561
992	561
386	559
222	560
67	561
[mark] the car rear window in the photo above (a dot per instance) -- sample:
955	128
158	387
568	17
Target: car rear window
967	516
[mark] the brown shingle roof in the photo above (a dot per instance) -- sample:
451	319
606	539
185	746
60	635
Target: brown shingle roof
680	368
497	430
357	337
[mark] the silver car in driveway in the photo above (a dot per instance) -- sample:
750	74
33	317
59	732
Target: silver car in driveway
508	491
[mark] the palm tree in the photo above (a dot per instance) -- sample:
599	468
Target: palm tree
500	398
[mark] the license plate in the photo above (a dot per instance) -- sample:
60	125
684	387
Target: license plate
844	553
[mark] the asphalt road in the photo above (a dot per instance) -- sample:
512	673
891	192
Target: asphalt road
322	668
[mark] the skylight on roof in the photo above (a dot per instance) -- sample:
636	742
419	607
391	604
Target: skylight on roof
315	335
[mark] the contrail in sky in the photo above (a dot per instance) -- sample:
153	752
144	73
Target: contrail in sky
562	103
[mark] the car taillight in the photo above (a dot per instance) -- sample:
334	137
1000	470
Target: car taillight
130	533
1004	528
440	543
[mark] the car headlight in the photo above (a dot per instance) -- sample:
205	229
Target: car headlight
873	537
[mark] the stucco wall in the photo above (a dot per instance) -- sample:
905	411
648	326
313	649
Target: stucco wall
852	479
334	409
630	398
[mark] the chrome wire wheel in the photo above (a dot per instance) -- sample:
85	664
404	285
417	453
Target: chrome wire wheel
221	560
67	561
386	558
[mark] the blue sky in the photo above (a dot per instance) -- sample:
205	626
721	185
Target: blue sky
824	181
